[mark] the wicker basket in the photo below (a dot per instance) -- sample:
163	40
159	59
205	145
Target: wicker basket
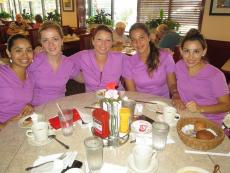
200	144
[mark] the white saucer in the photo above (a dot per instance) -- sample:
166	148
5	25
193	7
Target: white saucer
192	168
158	106
32	141
151	169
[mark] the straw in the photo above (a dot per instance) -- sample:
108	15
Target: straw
61	111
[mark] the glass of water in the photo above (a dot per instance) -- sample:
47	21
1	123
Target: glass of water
159	133
66	120
94	152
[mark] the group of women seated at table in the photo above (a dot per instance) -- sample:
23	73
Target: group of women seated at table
31	80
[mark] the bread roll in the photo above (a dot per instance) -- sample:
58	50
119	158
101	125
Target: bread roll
200	126
205	134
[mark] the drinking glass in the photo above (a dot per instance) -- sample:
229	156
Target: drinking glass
66	120
159	133
94	152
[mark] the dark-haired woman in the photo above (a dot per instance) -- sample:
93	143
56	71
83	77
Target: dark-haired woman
16	84
149	70
38	20
100	66
202	87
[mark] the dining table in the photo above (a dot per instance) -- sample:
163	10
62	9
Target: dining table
17	153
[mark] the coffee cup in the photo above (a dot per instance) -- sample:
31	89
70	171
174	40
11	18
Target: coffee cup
142	155
170	115
38	131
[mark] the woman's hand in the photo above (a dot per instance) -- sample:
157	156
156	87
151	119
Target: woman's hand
178	104
28	109
193	106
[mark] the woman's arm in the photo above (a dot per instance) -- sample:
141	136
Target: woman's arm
172	85
28	109
223	105
79	78
130	84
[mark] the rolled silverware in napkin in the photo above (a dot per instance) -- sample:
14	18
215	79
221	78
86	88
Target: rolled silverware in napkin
209	153
90	107
140	101
61	157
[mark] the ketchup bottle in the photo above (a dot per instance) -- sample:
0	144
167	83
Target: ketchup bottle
101	123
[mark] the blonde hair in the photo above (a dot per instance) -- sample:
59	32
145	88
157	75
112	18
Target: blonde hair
50	24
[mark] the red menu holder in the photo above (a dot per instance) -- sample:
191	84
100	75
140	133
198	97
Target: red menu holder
55	122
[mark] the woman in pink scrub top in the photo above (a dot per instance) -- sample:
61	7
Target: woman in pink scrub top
51	70
202	87
100	66
150	70
16	85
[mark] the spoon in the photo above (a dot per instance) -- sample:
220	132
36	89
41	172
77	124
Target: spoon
54	137
216	168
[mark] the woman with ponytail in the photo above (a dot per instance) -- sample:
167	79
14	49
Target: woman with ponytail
150	70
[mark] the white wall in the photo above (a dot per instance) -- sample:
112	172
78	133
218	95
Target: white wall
69	18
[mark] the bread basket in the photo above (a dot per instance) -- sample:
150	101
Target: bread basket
200	144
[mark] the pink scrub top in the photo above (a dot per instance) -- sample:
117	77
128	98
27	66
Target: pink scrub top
157	83
15	94
204	88
49	84
95	79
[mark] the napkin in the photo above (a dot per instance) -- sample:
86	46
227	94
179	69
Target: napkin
54	167
112	168
55	122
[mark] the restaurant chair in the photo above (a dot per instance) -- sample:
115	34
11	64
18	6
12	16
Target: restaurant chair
3	34
3	53
85	41
33	36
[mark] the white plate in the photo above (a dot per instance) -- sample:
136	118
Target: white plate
32	141
158	106
226	120
74	170
191	169
151	169
27	121
141	127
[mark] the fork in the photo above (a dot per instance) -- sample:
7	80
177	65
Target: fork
61	157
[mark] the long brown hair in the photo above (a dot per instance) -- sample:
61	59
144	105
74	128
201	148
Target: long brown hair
153	57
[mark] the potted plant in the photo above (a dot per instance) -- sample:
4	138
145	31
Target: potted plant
153	23
54	16
100	18
4	15
27	16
